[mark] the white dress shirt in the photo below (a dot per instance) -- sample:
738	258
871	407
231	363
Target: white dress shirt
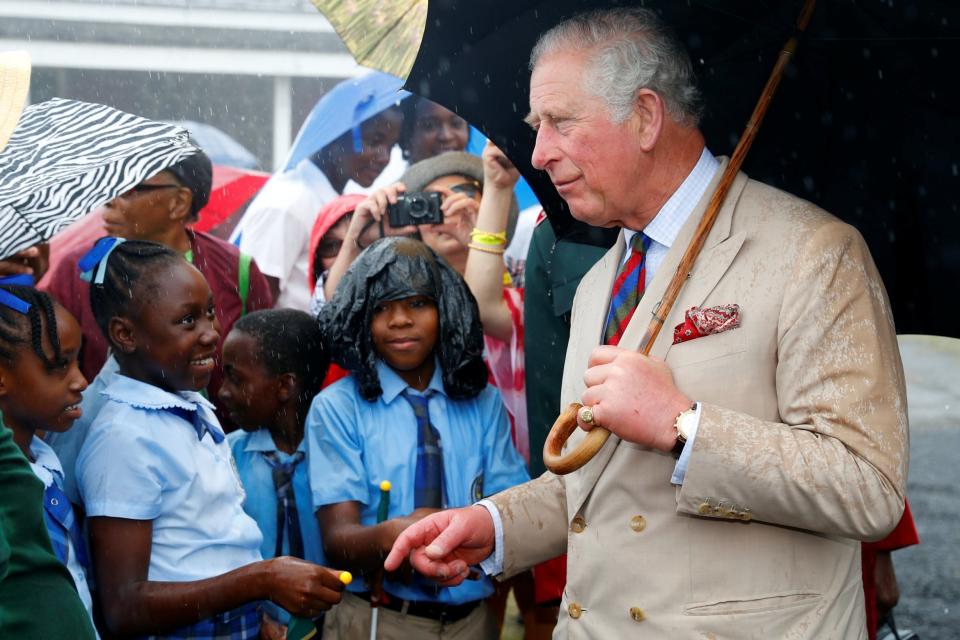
276	229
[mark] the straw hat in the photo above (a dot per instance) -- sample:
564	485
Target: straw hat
14	84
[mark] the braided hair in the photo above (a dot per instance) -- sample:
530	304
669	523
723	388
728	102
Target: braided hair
288	341
130	277
16	329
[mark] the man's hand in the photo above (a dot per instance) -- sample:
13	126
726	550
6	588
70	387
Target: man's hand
393	529
633	396
443	546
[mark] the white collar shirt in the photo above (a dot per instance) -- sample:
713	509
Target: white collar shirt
275	230
666	225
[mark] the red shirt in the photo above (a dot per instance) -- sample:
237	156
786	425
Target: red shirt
904	535
218	261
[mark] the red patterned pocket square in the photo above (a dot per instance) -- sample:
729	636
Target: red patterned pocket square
704	322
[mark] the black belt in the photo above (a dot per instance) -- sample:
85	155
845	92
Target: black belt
445	613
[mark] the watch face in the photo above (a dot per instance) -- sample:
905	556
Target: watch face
685	423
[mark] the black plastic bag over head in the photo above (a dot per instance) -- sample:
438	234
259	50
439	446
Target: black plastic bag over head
393	269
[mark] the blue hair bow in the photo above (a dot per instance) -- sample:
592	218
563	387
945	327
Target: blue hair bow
97	257
7	299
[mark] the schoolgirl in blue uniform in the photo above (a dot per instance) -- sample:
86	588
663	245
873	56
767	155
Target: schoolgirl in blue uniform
416	410
175	554
40	390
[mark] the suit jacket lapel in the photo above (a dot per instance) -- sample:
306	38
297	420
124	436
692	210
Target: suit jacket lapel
591	316
719	235
718	253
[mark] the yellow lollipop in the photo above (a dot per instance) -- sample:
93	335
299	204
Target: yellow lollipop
346	577
385	485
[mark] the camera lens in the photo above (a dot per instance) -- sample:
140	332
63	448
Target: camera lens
419	207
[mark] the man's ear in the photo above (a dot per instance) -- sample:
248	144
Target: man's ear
649	112
121	332
180	204
287	386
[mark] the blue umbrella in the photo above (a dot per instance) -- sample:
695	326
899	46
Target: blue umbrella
219	146
343	109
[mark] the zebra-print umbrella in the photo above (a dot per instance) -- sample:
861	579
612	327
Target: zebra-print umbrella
65	158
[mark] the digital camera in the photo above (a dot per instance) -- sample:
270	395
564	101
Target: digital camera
415	208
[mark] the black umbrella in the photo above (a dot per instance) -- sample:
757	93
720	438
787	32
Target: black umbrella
865	123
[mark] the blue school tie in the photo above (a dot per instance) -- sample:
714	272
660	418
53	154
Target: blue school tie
202	426
428	481
63	526
287	516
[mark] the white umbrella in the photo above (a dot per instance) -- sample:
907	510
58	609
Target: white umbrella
66	158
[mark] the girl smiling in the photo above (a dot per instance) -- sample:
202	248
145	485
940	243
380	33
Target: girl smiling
174	551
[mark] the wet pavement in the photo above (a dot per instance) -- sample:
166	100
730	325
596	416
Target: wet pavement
929	574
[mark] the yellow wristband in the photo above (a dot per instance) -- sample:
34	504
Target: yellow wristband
487	249
487	238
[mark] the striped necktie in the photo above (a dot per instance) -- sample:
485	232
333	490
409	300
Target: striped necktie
428	481
627	289
288	517
63	526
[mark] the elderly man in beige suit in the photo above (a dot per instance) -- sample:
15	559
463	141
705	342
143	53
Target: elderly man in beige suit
746	464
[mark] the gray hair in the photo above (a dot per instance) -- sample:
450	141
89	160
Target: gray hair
630	49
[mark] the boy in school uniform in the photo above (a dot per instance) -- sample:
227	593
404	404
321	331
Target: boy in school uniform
273	364
416	410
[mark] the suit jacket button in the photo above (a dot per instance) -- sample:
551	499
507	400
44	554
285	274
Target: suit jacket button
638	523
637	614
578	524
574	610
705	509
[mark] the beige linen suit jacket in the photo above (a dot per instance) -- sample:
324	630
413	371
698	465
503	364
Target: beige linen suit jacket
801	449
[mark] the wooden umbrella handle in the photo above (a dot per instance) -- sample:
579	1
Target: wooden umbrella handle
567	422
560	432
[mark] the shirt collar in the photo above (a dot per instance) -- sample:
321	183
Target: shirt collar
189	405
262	440
44	456
666	225
393	385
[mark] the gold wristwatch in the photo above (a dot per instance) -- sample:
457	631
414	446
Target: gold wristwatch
684	426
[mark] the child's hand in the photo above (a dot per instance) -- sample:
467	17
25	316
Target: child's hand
33	261
270	629
498	171
302	588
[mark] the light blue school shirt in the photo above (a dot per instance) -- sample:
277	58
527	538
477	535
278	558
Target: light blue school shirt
67	445
46	466
143	462
261	504
354	445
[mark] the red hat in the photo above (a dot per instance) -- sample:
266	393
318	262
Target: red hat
331	214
